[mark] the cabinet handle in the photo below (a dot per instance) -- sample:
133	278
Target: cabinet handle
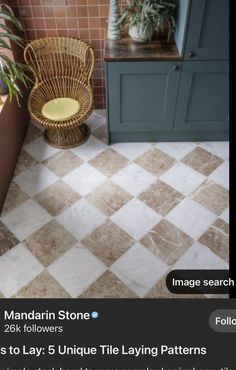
176	68
191	54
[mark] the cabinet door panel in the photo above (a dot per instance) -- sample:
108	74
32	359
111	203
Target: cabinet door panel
142	95
208	30
203	100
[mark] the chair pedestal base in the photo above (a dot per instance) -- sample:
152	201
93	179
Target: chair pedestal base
67	138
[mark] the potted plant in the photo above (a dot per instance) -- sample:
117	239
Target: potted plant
144	17
11	72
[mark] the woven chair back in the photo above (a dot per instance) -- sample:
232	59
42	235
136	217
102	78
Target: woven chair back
60	57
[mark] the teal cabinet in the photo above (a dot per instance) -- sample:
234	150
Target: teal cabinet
207	36
203	98
177	91
142	95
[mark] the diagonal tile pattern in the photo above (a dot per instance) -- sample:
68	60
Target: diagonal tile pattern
109	197
25	219
15	197
191	217
101	221
76	270
212	196
81	219
50	242
202	161
167	242
161	197
108	242
216	238
35	179
155	161
136	218
18	267
43	286
133	178
63	162
25	161
7	239
108	286
109	162
57	197
139	269
84	179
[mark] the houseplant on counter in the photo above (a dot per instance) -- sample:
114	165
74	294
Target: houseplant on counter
145	17
11	72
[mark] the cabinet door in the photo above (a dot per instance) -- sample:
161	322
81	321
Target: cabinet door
142	95
208	30
203	99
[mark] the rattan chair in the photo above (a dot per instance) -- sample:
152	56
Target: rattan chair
62	67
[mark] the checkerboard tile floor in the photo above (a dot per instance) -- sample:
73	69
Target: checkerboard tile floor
104	221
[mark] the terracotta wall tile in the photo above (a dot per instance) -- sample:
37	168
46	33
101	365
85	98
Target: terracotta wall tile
85	19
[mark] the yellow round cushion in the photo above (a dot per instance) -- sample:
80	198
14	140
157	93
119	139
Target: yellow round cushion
60	109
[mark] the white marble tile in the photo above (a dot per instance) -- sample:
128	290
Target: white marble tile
35	179
131	150
96	120
25	219
221	175
84	179
183	178
177	150
81	218
76	270
133	178
39	149
200	257
219	148
136	218
17	268
90	149
139	269
191	217
225	215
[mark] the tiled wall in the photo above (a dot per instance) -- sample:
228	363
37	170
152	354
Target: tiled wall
85	19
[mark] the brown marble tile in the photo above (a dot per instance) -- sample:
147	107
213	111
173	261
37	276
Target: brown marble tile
15	197
63	163
161	197
109	197
160	291
216	238
155	161
32	133
43	286
108	286
57	197
50	242
108	242
101	133
7	239
109	162
203	161
212	196
167	242
24	162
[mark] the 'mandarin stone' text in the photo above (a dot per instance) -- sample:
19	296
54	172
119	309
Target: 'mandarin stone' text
46	315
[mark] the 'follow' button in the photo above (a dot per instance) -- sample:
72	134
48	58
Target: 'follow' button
223	321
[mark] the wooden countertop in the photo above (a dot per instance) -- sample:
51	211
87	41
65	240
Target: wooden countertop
126	49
